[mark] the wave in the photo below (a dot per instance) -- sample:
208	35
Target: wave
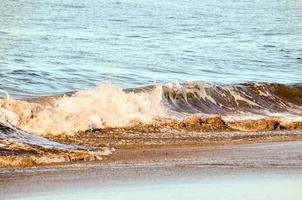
21	149
226	99
84	125
103	106
110	106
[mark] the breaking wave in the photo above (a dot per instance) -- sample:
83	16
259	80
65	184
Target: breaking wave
256	98
110	106
103	106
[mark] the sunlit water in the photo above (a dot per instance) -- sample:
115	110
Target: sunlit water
243	189
54	46
49	47
255	171
249	186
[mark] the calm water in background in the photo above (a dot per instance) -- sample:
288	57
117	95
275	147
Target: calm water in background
53	46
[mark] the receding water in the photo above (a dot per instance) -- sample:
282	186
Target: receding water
222	189
53	46
247	185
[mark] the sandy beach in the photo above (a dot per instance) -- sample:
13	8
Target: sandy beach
250	171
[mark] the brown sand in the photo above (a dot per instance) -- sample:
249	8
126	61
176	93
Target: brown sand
193	131
156	165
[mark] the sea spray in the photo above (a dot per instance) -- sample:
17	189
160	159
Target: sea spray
103	106
109	106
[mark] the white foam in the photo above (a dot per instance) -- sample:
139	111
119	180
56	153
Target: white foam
6	93
238	97
103	106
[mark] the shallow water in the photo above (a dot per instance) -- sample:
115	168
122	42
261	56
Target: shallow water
49	47
255	171
275	187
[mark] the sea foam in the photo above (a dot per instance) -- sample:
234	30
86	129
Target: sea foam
103	106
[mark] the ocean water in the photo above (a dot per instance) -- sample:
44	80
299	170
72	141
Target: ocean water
84	66
50	47
69	67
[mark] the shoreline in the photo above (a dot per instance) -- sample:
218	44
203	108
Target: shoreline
129	143
168	166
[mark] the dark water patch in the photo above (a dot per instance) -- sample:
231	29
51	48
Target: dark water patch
82	39
269	46
224	99
56	62
117	20
29	73
290	93
4	33
19	60
136	36
145	26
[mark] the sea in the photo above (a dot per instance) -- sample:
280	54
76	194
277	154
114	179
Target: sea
52	47
69	67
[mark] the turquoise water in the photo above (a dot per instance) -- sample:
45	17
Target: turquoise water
56	46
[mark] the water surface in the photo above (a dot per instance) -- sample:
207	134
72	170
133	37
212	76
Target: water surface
49	47
249	171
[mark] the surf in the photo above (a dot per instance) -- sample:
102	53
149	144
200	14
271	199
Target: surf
110	106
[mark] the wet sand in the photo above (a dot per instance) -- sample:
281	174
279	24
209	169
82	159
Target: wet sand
245	171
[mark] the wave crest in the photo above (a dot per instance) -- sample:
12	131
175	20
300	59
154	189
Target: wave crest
110	106
240	98
103	106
